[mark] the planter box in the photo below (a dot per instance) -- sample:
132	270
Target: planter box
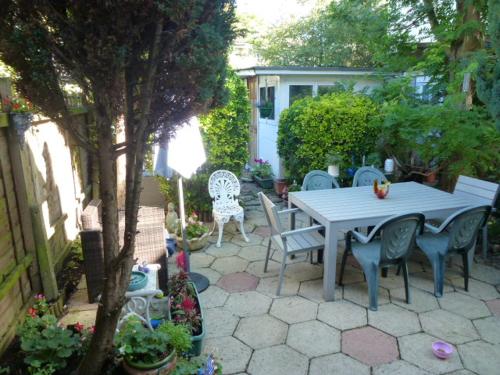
264	183
198	340
194	244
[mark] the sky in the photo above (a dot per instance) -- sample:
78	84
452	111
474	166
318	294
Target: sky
273	12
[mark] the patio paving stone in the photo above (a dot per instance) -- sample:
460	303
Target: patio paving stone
238	282
399	368
313	290
85	317
229	265
489	329
294	309
278	360
421	301
303	271
211	275
494	306
257	269
417	349
392	281
358	293
213	297
253	253
480	357
220	322
263	231
464	305
448	326
254	240
233	353
200	260
337	364
342	314
313	338
370	346
351	275
261	331
485	273
248	303
477	289
425	281
269	286
461	372
394	320
226	250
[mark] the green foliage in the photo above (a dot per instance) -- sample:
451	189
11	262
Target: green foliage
185	309
226	130
262	169
314	127
139	344
47	346
180	337
194	228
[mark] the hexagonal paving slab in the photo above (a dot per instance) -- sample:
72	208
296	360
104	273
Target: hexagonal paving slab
229	265
425	281
235	355
200	260
211	275
263	231
485	273
294	309
227	249
370	346
480	357
254	240
302	271
448	326
220	322
313	338
421	301
351	275
238	282
278	360
337	364
257	269
477	289
213	297
313	290
358	293
342	314
253	253
261	331
416	349
464	305
489	329
494	306
394	320
269	286
399	368
248	303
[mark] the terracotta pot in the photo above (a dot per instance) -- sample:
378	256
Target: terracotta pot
164	367
431	177
279	185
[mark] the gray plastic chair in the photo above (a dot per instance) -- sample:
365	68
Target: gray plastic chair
365	176
303	240
457	234
388	244
319	180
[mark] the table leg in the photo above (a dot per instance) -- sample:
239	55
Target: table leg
291	218
330	262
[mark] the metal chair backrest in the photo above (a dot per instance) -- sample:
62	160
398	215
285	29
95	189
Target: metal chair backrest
271	214
223	187
397	235
464	227
476	190
365	176
319	180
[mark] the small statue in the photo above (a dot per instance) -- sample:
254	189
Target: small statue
171	220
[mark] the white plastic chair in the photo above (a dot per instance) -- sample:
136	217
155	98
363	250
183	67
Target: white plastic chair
224	187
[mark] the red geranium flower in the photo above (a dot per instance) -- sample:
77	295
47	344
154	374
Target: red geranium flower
92	329
188	304
78	327
32	312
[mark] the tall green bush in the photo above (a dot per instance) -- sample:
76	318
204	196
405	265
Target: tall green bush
226	130
312	128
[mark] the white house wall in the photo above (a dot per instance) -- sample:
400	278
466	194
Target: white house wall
268	129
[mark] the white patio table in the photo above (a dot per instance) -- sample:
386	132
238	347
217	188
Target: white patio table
349	208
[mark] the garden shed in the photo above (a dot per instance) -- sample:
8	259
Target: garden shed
274	88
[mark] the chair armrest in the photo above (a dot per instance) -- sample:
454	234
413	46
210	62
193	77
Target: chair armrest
302	230
360	237
431	228
289	211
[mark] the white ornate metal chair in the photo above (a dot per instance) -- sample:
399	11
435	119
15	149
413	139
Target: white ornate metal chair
224	187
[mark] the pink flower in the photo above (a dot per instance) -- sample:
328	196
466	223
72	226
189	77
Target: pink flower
188	304
78	327
92	329
181	261
32	312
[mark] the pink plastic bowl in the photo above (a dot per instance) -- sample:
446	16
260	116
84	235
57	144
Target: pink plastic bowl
442	349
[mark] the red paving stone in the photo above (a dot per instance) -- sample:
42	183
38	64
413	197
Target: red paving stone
494	306
370	346
262	231
238	282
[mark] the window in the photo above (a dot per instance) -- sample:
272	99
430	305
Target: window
266	106
330	89
299	91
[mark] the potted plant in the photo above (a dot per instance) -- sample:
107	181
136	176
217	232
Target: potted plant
279	185
148	352
196	234
20	113
289	189
263	174
334	161
186	309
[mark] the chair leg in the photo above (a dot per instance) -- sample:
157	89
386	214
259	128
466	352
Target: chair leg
438	263
484	241
220	224
385	271
267	255
342	266
465	260
404	267
371	272
242	230
282	273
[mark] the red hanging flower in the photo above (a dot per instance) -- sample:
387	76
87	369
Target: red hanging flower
32	312
78	327
181	261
